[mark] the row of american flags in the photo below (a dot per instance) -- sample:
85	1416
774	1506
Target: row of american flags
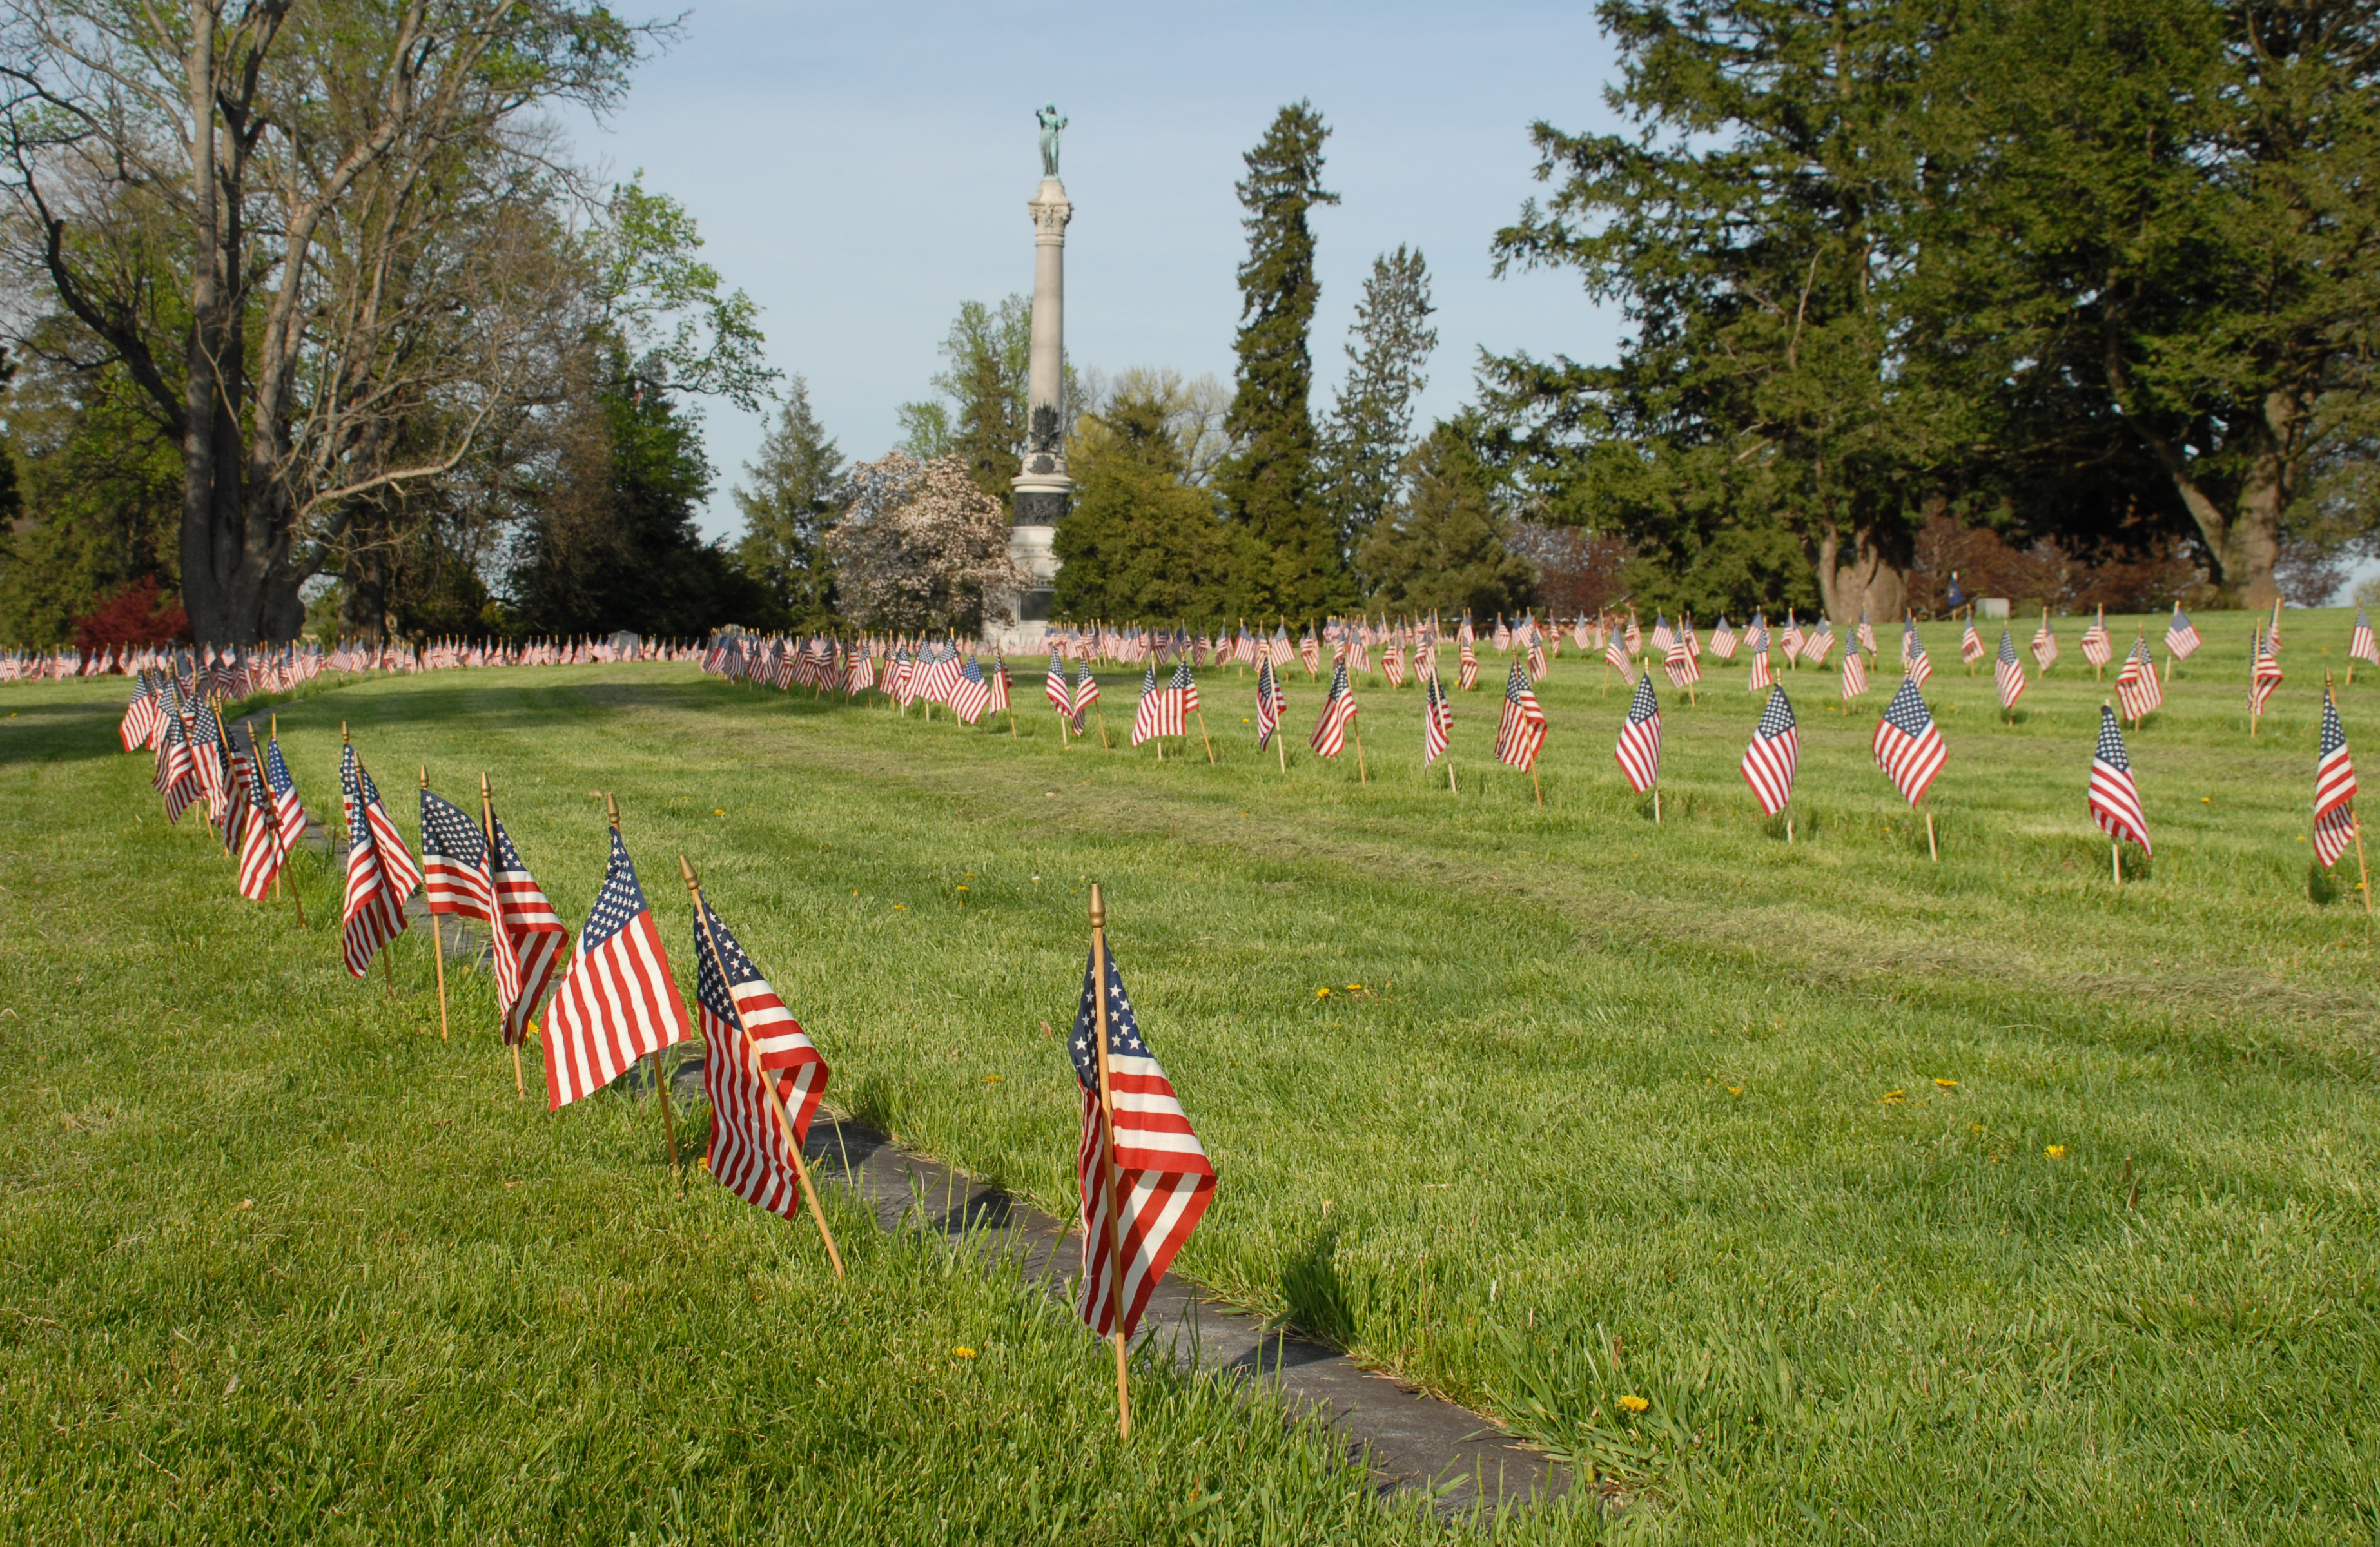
237	673
600	1005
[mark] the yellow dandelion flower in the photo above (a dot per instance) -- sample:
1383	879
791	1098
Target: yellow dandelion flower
992	1079
1354	988
717	811
1633	1404
1893	1098
1735	1089
963	1351
1322	993
1948	1084
2057	1152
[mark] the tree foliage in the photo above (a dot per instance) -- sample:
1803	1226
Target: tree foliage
1445	548
795	490
1285	553
1141	541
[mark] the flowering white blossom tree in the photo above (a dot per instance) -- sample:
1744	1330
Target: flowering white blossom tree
919	546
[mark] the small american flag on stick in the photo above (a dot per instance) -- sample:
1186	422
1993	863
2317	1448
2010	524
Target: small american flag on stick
763	1076
2137	687
1775	751
2360	646
2010	672
1639	752
1145	1179
2334	791
2181	635
1339	712
2097	648
1521	729
617	1002
381	872
1271	703
1907	745
2115	799
1436	726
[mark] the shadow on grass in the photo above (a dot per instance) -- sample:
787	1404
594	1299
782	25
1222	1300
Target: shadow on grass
74	732
1316	1296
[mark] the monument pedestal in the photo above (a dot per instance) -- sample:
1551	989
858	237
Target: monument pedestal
1042	492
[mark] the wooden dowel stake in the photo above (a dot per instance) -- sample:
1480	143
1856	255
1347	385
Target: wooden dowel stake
1932	851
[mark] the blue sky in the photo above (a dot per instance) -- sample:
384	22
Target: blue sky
863	169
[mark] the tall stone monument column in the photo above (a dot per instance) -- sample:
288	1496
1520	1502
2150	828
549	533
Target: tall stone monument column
1043	490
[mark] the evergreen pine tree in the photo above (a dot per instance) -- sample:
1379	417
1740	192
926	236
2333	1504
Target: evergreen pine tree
1285	553
1370	429
796	487
1444	547
1140	542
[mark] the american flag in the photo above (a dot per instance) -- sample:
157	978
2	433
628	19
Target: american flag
1086	690
2334	789
971	695
1536	655
617	1002
1680	664
141	716
532	935
1329	736
1663	635
2045	643
1270	703
748	1149
1309	652
1723	639
177	776
996	682
1466	668
1639	752
1907	746
2359	643
380	875
286	804
2265	676
1759	677
1788	638
262	852
1635	636
2097	648
1615	655
1914	662
1392	664
1184	690
1164	1177
1866	634
1819	641
2181	635
207	761
1053	685
1437	724
2115	799
1504	634
1970	644
1693	641
1775	748
1521	729
1855	675
2009	671
1148	720
2137	687
859	673
455	878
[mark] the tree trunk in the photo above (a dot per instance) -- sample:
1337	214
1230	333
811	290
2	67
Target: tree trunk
1870	575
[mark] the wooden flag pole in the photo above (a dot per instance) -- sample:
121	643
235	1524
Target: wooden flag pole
660	1068
1280	748
2116	859
1102	716
1201	713
437	936
752	1067
2362	872
1533	784
1932	851
1656	806
488	829
1452	788
1111	1178
1362	775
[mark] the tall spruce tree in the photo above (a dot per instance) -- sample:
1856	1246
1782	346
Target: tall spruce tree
1286	551
796	485
1370	429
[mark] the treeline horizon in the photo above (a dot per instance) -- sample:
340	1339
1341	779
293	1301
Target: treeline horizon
2074	299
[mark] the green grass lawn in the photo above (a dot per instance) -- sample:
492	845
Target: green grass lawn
1826	1151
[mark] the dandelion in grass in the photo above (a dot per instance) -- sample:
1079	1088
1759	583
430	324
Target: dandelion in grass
717	811
1633	1404
1322	993
963	1351
1735	1089
2057	1152
1948	1084
1893	1098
